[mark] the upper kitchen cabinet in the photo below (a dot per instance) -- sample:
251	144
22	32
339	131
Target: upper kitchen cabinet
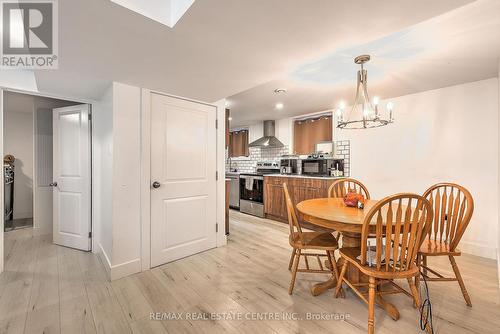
238	143
311	131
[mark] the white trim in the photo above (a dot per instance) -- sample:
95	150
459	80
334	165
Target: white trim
145	180
125	269
118	271
104	259
24	215
221	168
476	249
145	261
498	264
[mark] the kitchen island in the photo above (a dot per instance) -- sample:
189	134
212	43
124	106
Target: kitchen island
301	188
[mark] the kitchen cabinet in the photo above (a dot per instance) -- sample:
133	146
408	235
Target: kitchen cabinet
274	201
238	143
300	189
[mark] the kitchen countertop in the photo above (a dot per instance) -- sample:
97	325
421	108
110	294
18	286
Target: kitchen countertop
306	176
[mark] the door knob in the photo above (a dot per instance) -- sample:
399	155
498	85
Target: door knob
53	184
156	184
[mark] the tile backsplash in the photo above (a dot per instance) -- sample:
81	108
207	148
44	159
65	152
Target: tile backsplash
343	151
249	164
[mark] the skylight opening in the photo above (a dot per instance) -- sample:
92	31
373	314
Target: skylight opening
167	12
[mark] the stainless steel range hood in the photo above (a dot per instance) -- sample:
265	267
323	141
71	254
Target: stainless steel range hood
269	140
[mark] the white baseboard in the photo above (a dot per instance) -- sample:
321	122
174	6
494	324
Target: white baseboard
473	248
125	269
104	260
22	215
118	271
498	264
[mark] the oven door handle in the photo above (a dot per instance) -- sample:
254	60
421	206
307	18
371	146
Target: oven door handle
253	177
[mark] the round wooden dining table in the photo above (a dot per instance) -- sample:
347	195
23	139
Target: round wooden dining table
333	214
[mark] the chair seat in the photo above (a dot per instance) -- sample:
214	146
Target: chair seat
314	240
436	248
351	253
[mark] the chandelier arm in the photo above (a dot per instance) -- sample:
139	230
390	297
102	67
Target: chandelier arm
365	89
354	106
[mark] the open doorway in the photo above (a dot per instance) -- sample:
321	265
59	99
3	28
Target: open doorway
47	141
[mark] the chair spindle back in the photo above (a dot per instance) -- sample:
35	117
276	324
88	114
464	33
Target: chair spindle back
340	188
453	207
293	222
403	220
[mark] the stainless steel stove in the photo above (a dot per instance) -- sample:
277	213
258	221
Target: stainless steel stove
252	188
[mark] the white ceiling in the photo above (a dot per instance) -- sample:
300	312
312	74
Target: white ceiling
16	102
219	47
461	45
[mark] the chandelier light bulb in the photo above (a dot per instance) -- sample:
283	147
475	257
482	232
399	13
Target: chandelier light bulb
376	100
390	106
366	112
342	105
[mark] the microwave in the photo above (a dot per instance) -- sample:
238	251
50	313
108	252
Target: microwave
321	167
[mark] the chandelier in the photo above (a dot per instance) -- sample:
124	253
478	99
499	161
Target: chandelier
364	113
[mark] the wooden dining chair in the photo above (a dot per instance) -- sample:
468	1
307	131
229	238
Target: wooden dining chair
340	188
308	241
453	207
400	223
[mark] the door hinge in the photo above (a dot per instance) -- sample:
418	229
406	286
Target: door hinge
216	228
90	234
216	176
90	117
216	123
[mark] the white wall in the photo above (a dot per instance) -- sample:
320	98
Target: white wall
126	179
102	175
18	141
448	134
116	183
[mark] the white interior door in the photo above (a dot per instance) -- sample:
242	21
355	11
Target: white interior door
183	178
71	177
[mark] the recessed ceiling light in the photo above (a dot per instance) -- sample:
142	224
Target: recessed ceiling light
280	90
279	106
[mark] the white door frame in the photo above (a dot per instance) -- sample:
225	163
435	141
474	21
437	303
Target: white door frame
146	173
72	99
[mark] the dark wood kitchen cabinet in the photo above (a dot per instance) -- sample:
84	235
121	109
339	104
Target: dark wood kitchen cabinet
300	189
274	201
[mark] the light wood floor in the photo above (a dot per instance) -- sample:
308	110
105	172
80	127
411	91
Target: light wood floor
51	289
